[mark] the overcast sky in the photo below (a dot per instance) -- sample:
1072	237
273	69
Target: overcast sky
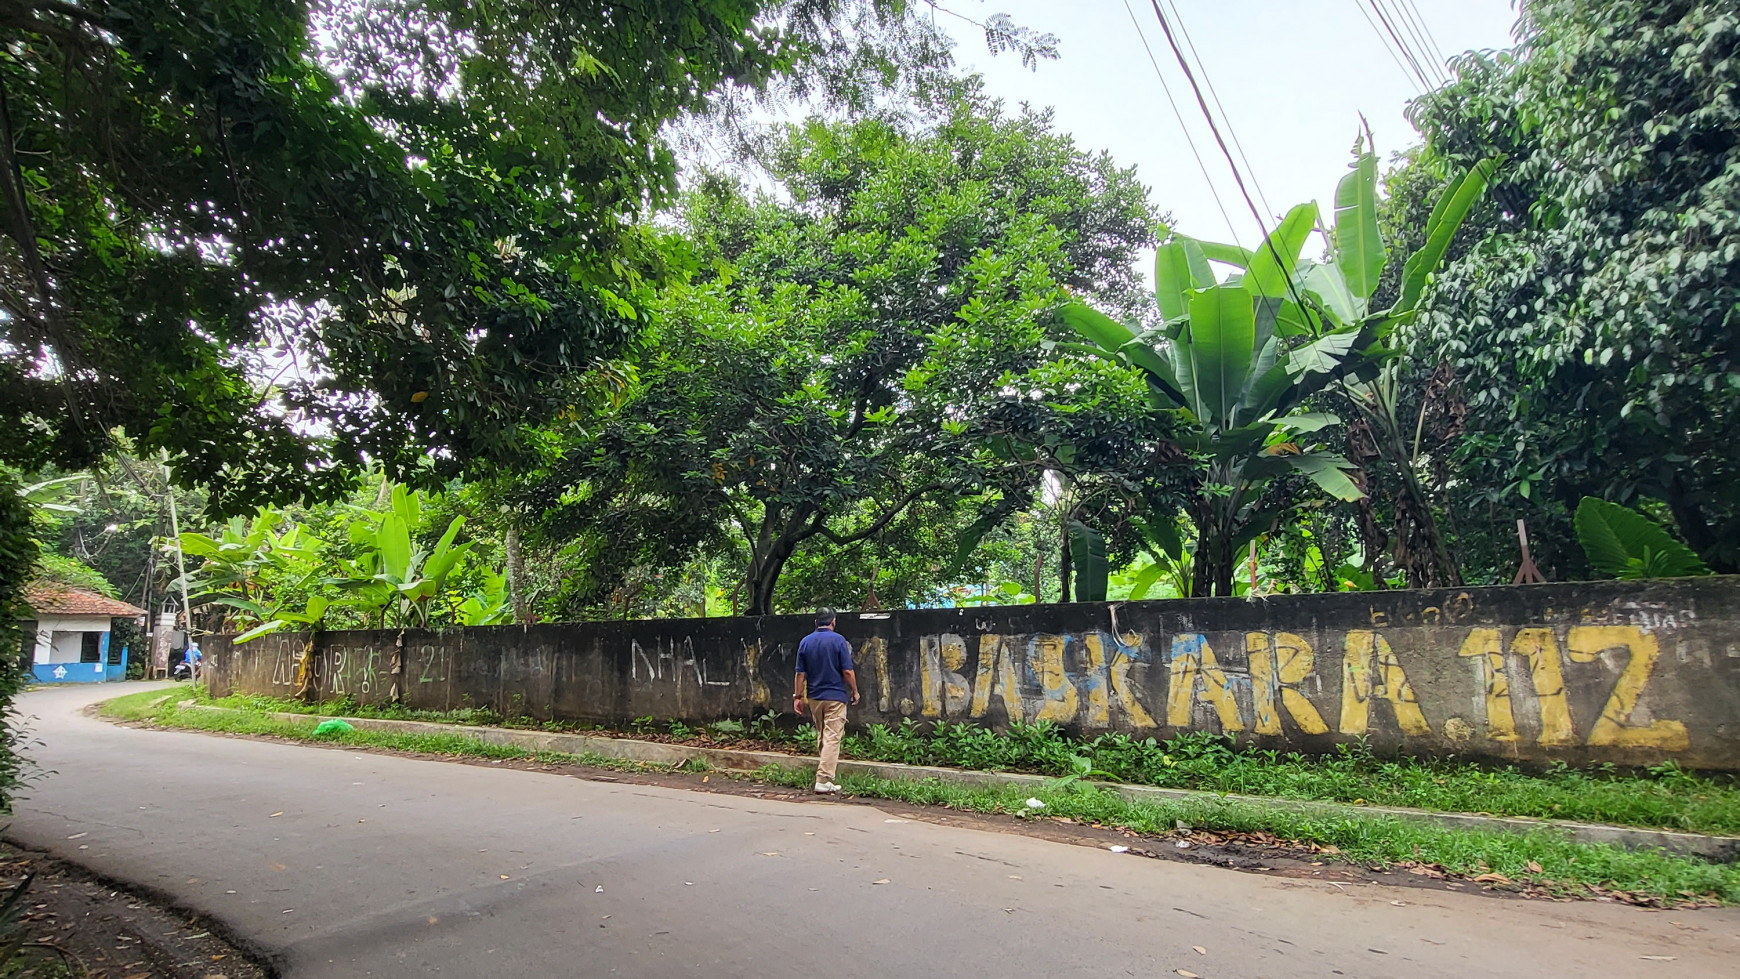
1292	75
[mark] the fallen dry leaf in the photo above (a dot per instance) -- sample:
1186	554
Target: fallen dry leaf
1534	868
1200	950
1658	958
882	881
1187	974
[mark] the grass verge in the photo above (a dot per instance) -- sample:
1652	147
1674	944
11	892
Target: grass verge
1544	860
1664	797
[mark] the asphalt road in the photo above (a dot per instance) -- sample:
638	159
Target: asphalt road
338	863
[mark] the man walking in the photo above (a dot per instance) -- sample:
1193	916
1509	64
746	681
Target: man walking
825	676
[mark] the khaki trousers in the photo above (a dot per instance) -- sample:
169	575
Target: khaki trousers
830	720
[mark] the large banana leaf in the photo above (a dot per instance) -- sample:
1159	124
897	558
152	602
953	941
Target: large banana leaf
1326	284
393	541
264	629
1324	354
1118	340
1145	581
1173	279
1087	554
408	505
1271	265
1359	248
1219	347
1626	544
1163	536
198	545
1328	471
1447	217
1214	251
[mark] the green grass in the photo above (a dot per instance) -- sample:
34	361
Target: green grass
1372	840
156	707
1665	797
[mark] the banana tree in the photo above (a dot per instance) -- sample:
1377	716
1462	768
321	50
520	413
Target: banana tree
1237	359
391	574
1418	546
247	563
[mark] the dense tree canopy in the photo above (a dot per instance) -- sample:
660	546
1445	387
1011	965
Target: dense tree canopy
410	235
867	340
1594	330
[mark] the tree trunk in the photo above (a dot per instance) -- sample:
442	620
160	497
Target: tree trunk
1065	566
516	574
1212	570
1420	547
764	577
1372	538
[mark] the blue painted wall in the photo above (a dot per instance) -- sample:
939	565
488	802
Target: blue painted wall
99	672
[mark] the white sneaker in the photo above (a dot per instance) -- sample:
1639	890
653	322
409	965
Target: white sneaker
826	788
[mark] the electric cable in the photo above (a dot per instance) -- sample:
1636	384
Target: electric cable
1179	115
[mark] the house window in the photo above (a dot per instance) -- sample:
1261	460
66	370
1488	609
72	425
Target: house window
91	650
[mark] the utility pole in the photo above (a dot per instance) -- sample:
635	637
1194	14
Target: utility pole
180	563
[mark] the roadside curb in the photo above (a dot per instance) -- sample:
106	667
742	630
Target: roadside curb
1721	849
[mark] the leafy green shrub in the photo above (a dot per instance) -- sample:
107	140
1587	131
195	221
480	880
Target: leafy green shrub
1628	545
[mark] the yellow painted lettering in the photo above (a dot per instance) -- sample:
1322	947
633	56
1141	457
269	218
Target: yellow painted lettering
1060	697
1123	692
1614	727
1279	663
996	673
874	654
1099	706
1192	665
1540	648
1362	681
1483	646
944	689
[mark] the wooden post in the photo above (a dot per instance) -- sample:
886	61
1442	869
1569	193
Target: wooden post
1528	573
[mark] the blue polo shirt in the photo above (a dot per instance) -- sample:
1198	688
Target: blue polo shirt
822	657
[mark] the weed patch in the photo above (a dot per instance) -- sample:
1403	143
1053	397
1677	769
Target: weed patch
1663	797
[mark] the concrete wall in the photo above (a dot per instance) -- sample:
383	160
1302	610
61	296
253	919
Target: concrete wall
60	638
1607	671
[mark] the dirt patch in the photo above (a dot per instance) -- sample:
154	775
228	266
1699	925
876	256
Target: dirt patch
80	926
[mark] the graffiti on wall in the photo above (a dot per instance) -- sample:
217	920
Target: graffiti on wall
1101	680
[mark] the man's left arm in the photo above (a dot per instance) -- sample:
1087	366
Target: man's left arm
847	673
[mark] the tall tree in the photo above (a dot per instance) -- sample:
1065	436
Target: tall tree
274	263
1596	330
856	347
407	235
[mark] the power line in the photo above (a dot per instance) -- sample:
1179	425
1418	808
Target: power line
1181	125
1226	119
1401	45
1413	9
1422	50
1418	90
1286	269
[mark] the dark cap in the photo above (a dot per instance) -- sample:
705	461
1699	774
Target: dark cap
824	616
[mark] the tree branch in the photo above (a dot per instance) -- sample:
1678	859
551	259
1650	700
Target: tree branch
67	10
822	530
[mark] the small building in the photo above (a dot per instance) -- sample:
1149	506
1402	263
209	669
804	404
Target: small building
68	641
